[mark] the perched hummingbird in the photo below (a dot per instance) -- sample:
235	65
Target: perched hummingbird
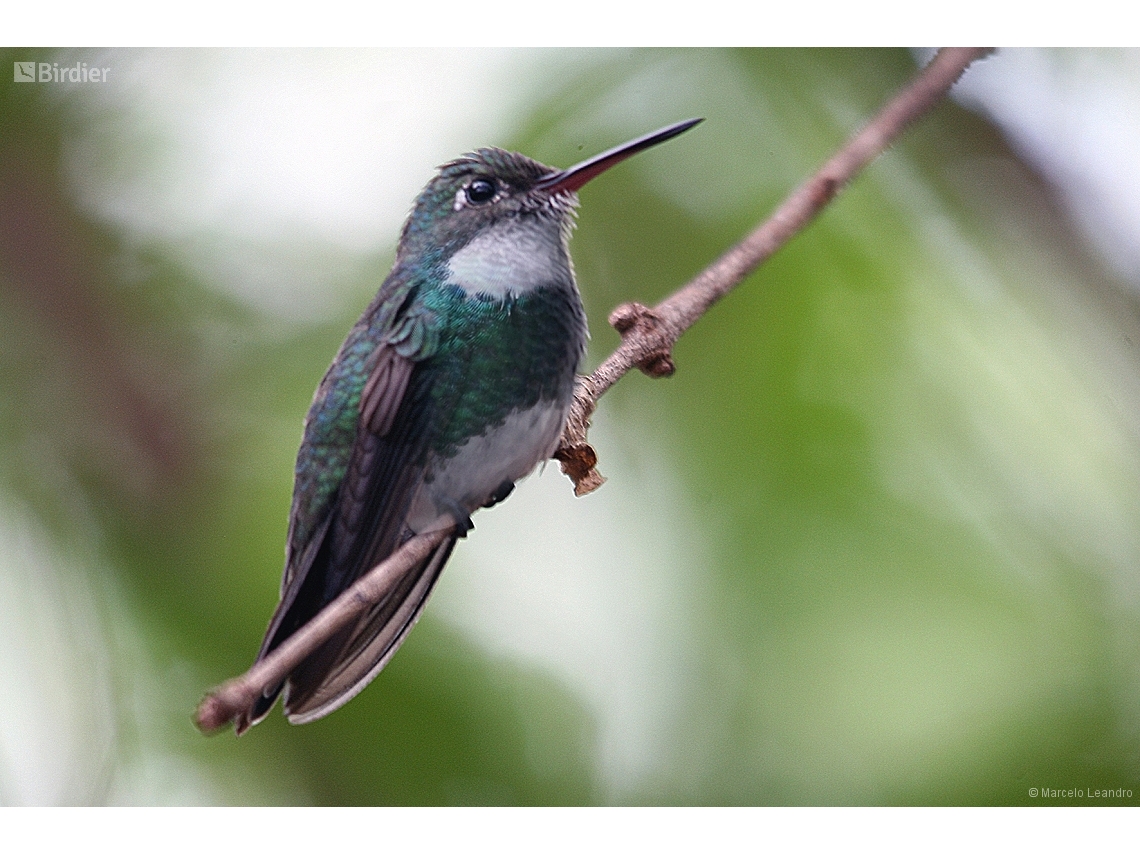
455	383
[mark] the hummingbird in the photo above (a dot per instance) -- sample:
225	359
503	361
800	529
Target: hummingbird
454	384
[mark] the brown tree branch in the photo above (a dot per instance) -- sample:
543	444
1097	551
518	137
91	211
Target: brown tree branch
648	335
236	696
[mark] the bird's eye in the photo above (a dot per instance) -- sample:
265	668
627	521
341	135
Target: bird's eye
480	192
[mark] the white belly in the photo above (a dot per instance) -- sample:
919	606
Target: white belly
505	453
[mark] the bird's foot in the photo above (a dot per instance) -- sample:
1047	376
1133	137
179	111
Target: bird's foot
501	492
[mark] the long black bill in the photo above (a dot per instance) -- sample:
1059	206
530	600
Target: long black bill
569	180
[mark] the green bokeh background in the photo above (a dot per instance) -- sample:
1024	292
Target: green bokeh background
902	458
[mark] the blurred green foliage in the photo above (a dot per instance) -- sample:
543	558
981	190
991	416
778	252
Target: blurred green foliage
909	443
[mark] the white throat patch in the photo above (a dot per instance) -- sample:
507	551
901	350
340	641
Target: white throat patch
508	259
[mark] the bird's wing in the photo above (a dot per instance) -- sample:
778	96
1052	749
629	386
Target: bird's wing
383	476
364	524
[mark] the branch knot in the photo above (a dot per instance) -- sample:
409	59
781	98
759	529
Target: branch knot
578	462
639	323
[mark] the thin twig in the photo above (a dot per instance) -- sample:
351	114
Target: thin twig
236	696
648	335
